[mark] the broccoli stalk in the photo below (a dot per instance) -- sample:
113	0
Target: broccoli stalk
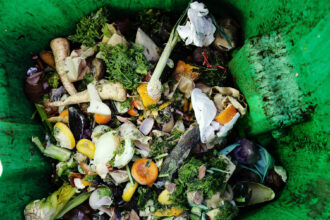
52	151
48	208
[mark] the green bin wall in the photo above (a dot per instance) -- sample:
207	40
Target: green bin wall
282	69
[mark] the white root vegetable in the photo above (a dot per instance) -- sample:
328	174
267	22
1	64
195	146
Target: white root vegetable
96	104
61	50
109	90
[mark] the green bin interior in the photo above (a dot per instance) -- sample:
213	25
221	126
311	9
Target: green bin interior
282	69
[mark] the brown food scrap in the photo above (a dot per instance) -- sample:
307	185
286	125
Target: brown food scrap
133	215
201	172
72	176
171	187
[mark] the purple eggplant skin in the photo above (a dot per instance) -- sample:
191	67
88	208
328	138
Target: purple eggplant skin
78	122
246	153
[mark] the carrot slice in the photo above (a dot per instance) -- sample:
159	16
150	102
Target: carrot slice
133	112
64	113
144	171
226	115
102	119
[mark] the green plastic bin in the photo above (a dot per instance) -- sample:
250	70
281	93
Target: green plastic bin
282	69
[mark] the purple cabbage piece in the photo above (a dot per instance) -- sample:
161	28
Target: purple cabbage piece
246	153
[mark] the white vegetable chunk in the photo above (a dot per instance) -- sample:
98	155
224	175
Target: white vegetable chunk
96	104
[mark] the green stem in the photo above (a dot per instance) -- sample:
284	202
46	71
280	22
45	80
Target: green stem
38	143
161	156
216	169
57	153
73	203
173	39
48	126
130	175
163	175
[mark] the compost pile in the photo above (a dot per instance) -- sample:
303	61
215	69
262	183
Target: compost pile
140	121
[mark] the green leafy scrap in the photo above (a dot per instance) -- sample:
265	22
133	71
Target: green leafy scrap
126	65
89	28
53	79
188	179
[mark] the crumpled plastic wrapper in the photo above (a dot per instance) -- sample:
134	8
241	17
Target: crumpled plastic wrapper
199	30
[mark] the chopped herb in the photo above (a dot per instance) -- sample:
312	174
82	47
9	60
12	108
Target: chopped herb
126	65
188	180
88	78
121	148
145	194
53	79
126	104
214	76
89	28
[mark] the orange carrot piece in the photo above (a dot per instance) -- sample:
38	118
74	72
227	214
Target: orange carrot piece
144	171
64	113
48	58
102	119
226	115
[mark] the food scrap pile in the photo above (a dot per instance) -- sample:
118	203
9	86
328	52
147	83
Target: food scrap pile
139	116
